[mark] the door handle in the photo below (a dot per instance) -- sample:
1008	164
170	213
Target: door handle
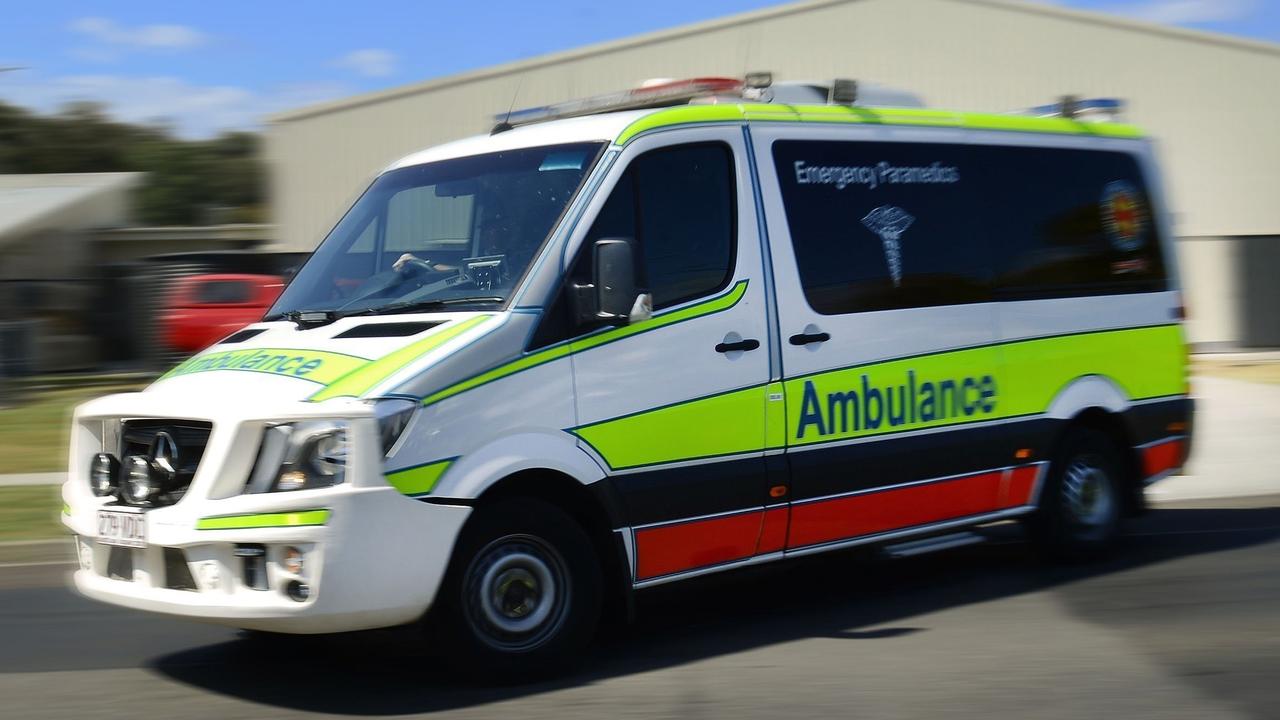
806	338
748	344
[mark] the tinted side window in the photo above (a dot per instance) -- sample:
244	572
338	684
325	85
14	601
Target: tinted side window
1069	223
686	220
879	226
223	292
677	204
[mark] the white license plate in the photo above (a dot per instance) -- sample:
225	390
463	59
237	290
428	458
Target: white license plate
122	528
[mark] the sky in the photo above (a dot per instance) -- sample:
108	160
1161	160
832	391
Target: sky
207	67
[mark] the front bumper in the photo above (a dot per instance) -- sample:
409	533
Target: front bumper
377	562
371	557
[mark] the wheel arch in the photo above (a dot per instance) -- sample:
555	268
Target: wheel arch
593	507
1100	403
1113	425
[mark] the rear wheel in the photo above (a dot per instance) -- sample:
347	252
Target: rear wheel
1078	517
522	595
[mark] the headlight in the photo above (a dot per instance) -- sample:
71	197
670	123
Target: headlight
104	473
301	456
393	415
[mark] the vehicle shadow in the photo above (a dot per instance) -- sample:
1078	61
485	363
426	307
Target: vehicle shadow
849	595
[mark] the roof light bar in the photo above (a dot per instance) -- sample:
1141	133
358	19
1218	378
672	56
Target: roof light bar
1083	109
658	94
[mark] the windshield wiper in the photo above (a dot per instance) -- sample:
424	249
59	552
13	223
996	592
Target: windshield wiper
421	305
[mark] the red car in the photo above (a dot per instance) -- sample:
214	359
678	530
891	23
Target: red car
203	309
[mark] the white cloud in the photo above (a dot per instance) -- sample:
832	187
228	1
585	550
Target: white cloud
194	111
370	62
163	37
1183	12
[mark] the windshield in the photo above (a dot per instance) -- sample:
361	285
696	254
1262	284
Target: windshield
446	234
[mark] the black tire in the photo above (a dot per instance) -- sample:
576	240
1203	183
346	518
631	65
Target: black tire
1079	514
522	595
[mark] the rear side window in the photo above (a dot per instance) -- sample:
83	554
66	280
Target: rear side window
1069	223
879	226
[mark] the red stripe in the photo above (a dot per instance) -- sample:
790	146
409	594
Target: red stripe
675	548
690	545
773	536
1022	482
1162	457
877	512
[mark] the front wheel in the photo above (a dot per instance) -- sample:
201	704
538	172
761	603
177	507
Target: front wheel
1078	517
522	595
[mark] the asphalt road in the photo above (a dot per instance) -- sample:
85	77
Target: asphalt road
1183	623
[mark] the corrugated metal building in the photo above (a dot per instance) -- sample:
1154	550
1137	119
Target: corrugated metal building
1208	99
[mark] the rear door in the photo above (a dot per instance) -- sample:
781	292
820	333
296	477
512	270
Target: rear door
674	407
887	327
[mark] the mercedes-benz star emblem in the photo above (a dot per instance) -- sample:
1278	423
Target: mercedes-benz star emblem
164	454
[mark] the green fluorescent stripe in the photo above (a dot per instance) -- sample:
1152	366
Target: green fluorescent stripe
555	352
725	424
364	378
682	115
1145	362
845	114
419	480
310	365
1028	375
301	518
66	509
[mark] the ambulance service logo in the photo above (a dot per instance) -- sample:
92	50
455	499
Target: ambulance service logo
1124	218
889	223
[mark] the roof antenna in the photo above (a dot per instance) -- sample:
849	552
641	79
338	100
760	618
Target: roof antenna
506	125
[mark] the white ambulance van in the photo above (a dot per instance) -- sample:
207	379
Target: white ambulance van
640	338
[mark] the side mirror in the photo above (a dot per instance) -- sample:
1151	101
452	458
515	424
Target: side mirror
613	296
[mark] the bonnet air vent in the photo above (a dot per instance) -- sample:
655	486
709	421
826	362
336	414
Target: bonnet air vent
399	329
243	335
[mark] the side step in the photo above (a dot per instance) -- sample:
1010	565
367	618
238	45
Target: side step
932	544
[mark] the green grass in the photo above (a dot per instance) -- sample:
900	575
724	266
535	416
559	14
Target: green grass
33	434
30	512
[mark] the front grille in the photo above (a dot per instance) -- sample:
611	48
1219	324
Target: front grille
190	437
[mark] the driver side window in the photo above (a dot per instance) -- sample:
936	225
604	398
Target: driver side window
677	206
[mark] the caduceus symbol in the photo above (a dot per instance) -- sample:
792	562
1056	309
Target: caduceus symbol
889	223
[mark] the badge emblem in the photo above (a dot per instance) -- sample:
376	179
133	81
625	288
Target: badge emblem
164	454
1123	216
889	223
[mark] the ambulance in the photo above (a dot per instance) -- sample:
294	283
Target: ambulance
643	337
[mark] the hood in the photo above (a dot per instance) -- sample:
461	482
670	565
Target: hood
353	357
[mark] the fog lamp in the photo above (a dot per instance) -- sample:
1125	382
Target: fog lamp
139	482
104	472
292	561
291	480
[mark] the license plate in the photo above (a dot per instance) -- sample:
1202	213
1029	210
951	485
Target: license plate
122	528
